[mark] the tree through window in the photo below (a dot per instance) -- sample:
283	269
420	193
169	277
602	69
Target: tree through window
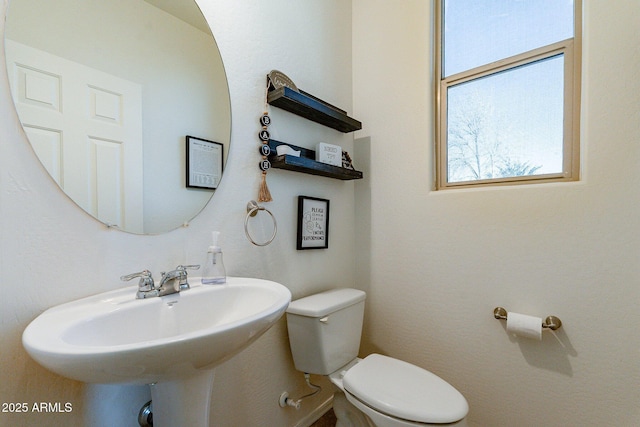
509	91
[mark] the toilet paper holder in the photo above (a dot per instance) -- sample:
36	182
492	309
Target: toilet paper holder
551	322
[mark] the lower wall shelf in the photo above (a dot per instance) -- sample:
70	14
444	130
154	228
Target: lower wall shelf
306	163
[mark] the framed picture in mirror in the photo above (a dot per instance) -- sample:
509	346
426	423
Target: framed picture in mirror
204	163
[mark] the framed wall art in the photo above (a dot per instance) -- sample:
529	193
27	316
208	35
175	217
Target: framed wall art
204	163
313	223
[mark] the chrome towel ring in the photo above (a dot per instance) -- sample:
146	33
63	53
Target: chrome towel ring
252	210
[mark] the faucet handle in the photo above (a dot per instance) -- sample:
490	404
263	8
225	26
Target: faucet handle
182	270
146	280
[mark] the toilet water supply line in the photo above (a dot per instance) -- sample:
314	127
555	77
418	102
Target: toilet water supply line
285	400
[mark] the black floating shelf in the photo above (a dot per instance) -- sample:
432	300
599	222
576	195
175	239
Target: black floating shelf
306	163
312	108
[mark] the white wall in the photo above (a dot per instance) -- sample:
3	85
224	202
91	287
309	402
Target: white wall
50	252
440	262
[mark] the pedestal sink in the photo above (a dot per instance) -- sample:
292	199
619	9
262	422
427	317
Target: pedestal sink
172	342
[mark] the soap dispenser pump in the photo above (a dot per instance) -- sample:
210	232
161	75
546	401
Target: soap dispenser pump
213	272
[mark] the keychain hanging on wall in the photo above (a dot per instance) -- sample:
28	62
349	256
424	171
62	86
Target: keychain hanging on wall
263	194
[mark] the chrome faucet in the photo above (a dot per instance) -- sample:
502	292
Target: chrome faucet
170	283
175	280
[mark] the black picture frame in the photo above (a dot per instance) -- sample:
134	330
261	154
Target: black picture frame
204	163
313	223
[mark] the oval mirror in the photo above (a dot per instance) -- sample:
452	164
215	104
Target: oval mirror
125	103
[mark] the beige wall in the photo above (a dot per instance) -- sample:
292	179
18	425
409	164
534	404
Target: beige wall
440	262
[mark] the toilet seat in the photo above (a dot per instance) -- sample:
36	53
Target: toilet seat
405	391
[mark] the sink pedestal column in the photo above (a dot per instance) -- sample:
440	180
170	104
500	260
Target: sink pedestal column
183	403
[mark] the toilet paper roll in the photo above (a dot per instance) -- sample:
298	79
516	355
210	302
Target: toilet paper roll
524	325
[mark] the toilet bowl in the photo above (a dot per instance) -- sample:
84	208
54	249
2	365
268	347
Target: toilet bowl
377	391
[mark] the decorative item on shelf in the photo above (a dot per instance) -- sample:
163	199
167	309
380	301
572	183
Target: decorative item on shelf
285	150
277	79
347	163
313	223
329	154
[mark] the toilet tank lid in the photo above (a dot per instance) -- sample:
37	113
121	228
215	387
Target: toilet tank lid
324	303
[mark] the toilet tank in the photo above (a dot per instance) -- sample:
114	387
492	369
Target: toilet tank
325	329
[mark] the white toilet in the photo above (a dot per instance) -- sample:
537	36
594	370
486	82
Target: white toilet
324	332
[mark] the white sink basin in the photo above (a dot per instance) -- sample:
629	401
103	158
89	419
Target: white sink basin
115	338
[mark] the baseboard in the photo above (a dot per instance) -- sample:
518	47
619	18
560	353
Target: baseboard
314	415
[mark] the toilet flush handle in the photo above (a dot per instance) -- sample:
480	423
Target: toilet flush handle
324	319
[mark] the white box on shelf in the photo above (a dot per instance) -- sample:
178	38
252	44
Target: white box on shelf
329	154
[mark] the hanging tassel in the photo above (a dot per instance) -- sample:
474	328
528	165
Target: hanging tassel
263	194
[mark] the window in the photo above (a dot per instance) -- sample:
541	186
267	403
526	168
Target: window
508	92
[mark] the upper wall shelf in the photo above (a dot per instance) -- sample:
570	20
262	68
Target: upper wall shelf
312	108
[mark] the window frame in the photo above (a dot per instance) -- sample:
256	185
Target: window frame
571	50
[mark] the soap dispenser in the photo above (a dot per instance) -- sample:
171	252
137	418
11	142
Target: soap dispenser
213	272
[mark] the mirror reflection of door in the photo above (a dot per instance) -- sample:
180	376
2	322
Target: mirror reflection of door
163	46
86	127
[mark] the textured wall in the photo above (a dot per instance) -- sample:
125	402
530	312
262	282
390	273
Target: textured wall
439	262
51	252
442	261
